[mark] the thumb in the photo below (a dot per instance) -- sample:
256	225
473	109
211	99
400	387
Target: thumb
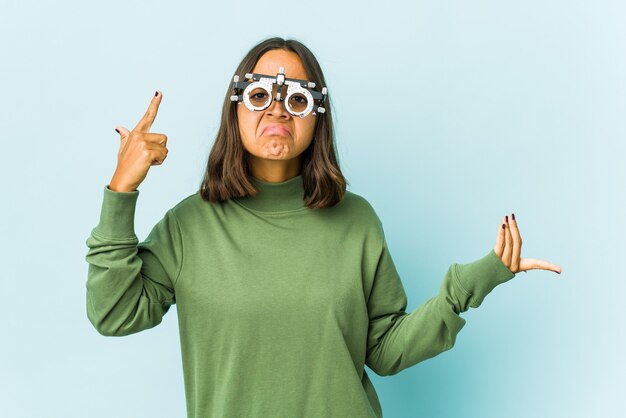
122	131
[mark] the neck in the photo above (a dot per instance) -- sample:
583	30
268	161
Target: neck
276	196
274	171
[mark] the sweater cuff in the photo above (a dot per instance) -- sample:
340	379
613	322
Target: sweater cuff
480	277
117	216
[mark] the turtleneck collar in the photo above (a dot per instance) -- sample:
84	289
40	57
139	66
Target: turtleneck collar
276	197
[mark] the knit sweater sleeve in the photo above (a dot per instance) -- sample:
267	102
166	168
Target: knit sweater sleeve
397	339
130	285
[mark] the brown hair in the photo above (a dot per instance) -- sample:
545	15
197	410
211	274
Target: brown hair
227	171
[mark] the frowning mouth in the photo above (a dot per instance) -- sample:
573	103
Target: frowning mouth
276	130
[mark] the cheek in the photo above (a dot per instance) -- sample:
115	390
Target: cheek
247	124
307	129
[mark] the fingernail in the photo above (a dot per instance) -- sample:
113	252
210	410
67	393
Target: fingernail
513	216
156	93
506	218
117	130
502	226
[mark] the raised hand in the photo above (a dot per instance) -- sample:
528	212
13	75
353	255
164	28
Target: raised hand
139	150
509	246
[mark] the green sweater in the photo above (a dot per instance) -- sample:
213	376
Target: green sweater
279	306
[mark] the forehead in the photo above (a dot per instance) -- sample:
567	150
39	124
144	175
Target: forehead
270	62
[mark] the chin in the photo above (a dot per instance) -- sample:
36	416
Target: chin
277	157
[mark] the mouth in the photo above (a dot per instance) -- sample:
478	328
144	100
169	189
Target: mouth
276	130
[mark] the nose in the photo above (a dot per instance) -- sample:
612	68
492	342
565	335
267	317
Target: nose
278	108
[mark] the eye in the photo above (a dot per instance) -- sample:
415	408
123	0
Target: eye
258	96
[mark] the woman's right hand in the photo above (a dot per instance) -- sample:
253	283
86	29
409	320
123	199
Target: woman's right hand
139	150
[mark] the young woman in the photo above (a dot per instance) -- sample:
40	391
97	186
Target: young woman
284	284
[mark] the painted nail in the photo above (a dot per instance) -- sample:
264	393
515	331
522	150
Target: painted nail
117	130
502	226
506	218
513	216
156	93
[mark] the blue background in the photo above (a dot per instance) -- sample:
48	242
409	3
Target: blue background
449	115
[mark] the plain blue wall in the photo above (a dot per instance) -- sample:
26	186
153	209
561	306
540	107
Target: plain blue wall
449	115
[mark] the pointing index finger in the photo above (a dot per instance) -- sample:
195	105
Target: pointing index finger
147	120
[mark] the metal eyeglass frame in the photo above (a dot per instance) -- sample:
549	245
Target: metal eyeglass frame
294	86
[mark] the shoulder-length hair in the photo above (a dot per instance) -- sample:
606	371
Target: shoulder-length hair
227	173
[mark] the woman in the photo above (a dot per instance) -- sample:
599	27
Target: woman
284	284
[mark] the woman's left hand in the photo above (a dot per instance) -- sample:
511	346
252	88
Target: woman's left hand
509	246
